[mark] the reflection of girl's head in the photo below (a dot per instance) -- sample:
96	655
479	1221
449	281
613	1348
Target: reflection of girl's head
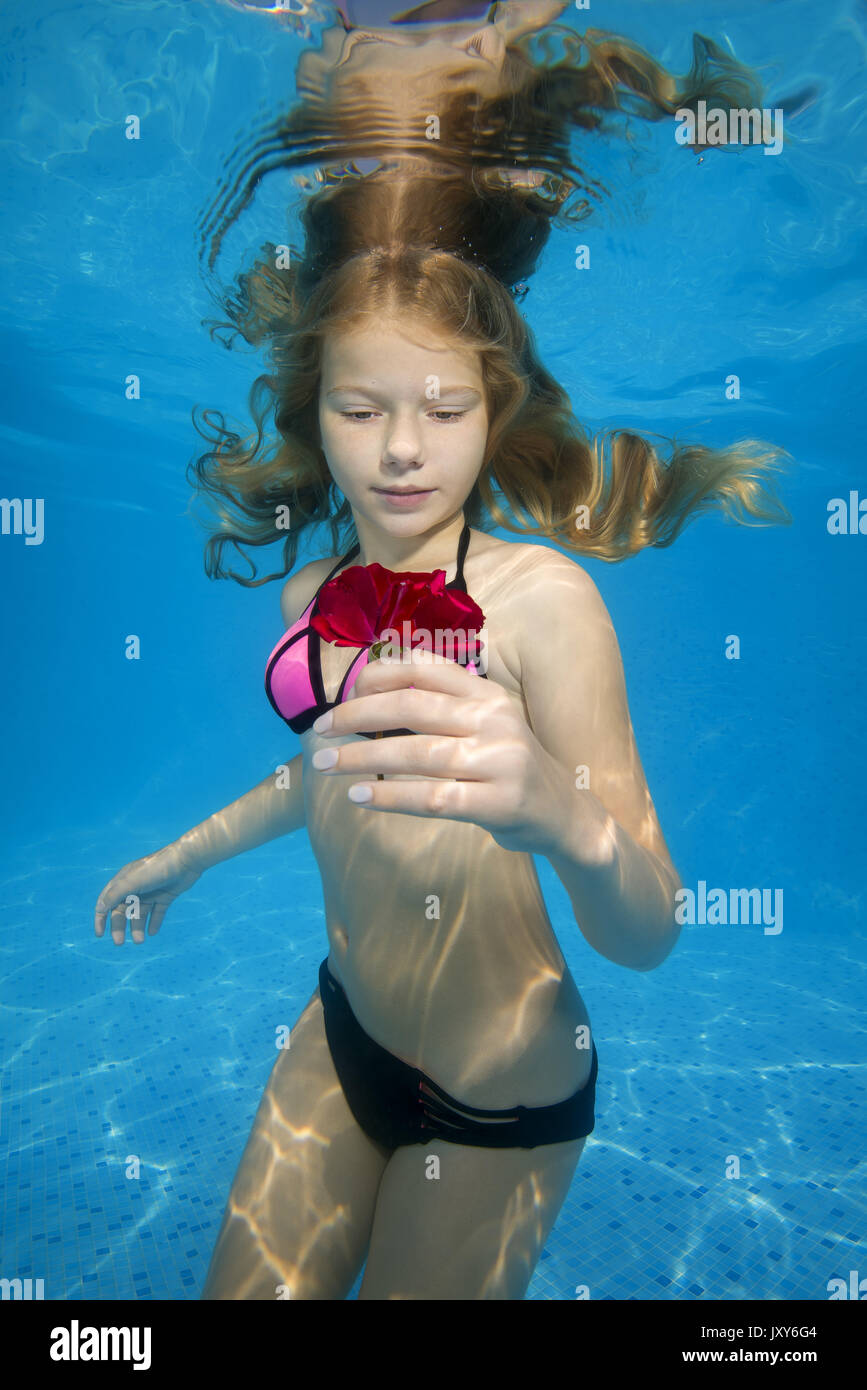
521	126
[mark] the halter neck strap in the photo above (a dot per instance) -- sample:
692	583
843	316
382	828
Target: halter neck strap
457	583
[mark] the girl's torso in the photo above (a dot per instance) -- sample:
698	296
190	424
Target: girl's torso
438	935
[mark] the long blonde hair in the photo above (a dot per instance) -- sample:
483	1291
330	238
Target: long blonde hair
538	459
443	236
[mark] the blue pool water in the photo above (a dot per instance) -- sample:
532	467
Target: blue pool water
744	1043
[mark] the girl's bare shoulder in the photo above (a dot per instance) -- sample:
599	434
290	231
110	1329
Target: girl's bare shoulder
299	588
509	562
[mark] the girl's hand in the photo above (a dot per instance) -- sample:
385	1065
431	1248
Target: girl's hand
156	881
489	766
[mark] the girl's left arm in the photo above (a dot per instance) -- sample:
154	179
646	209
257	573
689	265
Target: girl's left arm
608	849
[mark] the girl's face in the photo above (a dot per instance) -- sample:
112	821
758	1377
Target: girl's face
396	413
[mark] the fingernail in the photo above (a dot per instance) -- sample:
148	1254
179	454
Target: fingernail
324	757
360	792
324	722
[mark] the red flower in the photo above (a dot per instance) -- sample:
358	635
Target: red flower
365	601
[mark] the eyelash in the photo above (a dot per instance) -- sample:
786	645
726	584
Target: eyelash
453	415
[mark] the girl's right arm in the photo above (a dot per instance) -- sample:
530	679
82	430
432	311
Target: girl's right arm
275	807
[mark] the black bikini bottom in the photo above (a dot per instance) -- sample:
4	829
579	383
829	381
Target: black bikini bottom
397	1104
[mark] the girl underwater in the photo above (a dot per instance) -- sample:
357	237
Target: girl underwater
435	1100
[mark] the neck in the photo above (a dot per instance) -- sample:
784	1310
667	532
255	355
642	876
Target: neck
436	549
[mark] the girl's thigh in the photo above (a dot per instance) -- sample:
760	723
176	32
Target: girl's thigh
471	1226
298	1220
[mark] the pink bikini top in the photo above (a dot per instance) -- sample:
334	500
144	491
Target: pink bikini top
293	676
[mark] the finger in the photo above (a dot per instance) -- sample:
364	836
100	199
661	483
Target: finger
110	902
99	916
440	799
118	924
418	666
105	905
156	918
425	712
413	754
137	924
427	672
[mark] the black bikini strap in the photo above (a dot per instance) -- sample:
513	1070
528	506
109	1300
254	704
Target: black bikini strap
348	556
463	546
340	563
457	583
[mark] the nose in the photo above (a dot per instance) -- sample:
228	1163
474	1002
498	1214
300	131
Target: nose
403	444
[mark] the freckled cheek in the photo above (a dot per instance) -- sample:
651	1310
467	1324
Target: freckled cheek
339	456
